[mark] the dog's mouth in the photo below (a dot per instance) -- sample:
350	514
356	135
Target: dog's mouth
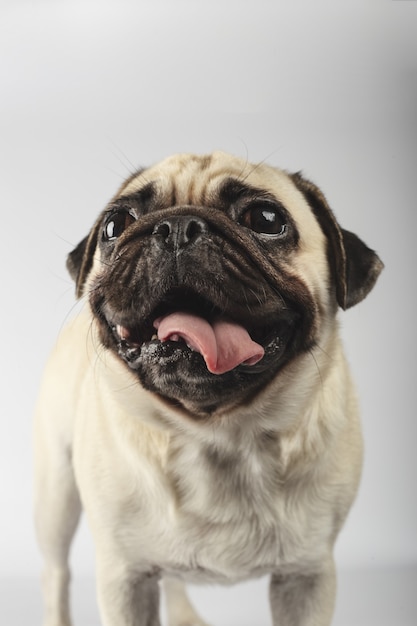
185	327
223	344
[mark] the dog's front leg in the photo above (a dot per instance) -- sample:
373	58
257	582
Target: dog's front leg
303	599
126	598
180	610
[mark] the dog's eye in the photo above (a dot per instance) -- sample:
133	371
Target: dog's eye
116	224
265	219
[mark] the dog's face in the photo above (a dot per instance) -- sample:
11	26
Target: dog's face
208	275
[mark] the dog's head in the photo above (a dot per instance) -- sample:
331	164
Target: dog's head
208	275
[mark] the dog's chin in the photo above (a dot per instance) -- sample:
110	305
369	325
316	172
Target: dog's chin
180	377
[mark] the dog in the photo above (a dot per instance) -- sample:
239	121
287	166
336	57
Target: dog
200	408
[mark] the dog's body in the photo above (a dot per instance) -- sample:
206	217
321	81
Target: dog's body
201	408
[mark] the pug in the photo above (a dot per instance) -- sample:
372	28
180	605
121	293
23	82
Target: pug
200	408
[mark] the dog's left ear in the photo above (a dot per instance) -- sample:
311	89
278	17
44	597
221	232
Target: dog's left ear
80	260
355	267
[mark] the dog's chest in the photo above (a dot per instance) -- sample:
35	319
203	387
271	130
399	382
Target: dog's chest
226	517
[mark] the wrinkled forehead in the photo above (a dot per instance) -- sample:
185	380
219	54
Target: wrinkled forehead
193	178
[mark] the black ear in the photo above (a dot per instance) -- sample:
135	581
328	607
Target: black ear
355	267
363	267
80	260
75	259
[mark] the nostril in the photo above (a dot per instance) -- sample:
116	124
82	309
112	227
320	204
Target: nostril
179	231
194	228
163	230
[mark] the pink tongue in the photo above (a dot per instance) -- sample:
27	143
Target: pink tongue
224	345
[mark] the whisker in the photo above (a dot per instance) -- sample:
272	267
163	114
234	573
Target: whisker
258	165
70	312
127	163
61	238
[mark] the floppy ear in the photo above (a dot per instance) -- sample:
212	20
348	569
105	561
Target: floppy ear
80	260
355	267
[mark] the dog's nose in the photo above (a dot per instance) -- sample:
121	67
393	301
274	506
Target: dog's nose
180	231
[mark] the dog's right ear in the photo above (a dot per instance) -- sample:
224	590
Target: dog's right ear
80	260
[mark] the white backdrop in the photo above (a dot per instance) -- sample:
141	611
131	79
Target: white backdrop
90	90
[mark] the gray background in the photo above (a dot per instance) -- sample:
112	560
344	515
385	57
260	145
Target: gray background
91	90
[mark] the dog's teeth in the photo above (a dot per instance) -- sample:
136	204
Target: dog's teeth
177	338
154	337
122	332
